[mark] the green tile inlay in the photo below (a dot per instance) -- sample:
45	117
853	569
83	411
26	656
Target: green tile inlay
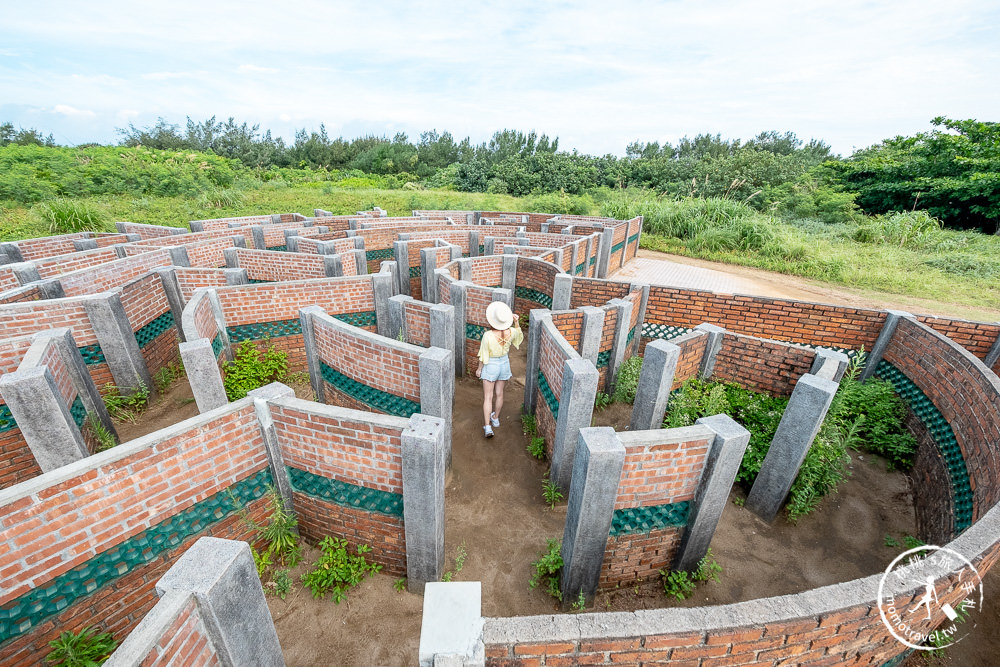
540	298
474	331
548	395
650	330
78	411
616	247
603	358
364	318
943	437
346	494
593	260
580	268
217	345
6	419
262	330
631	335
632	239
414	271
258	281
384	253
92	354
642	520
375	398
278	248
20	615
149	333
482	250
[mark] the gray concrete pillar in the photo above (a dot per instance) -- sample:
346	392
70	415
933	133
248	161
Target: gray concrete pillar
723	462
279	472
798	427
172	289
465	270
428	281
489	245
451	633
202	370
655	382
882	342
291	240
442	326
307	322
437	387
275	218
591	331
509	273
333	267
458	303
535	319
222	576
621	342
236	276
424	467
713	343
628	233
360	261
829	364
504	295
12	251
179	255
597	470
257	233
382	291
644	301
44	418
25	272
994	354
521	240
604	252
402	254
562	290
474	244
50	288
117	340
557	259
80	245
390	268
576	408
232	257
220	323
395	321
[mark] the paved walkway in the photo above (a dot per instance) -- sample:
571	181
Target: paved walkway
672	274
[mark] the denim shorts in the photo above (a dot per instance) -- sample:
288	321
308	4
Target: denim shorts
498	368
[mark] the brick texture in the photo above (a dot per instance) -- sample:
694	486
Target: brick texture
769	366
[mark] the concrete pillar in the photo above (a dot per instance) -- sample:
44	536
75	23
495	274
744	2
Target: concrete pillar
428	281
117	340
576	408
424	465
994	354
451	633
360	260
882	342
489	245
591	331
222	576
333	267
437	387
50	288
25	272
259	242
44	418
557	258
637	337
220	323
723	462
504	295
395	321
474	244
402	254
562	290
798	427
236	276
279	472
589	270
536	317
509	273
458	303
172	289
618	347
232	257
465	270
179	254
628	233
604	252
829	364
80	245
307	320
597	469
12	251
713	343
442	326
203	374
291	240
655	382
382	291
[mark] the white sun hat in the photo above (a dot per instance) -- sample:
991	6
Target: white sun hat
499	316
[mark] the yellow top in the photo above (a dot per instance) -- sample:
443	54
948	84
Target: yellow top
491	347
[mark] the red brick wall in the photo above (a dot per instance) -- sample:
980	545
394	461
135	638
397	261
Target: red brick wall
146	231
535	275
417	315
105	239
570	325
459	238
113	274
144	300
48	246
224	223
763	365
272	302
692	347
632	249
413	250
16	461
976	337
59	264
208	253
275	266
350	450
477	300
607	342
20	295
195	237
596	292
7	279
184	642
204	318
190	279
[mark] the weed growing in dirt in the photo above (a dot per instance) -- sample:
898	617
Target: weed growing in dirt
708	568
682	584
911	542
399	585
251	369
85	648
280	531
282	582
126	407
601	401
551	492
580	604
166	376
537	447
891	541
100	433
548	569
447	576
337	571
529	425
627	381
460	555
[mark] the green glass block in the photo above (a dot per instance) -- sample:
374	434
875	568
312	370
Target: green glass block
414	271
632	239
593	260
346	494
384	253
642	520
151	331
217	345
466	255
548	395
92	354
20	615
943	437
258	281
663	331
474	331
482	250
78	411
6	419
542	299
262	330
898	660
616	247
370	396
580	268
631	335
603	358
365	318
278	248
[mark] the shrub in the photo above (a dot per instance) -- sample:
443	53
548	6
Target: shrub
529	424
85	648
100	433
909	229
68	216
337	571
537	447
125	407
548	569
627	381
551	492
251	369
682	584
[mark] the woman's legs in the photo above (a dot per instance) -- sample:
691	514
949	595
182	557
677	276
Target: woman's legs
487	400
498	397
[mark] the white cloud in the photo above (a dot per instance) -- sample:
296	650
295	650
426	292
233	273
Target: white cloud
67	110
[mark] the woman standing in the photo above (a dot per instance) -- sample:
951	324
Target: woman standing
494	367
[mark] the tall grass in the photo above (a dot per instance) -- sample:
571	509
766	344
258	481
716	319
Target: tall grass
68	216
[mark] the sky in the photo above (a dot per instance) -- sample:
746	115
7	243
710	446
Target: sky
598	75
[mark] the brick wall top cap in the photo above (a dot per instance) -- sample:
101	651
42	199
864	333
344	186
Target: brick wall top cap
336	412
667	436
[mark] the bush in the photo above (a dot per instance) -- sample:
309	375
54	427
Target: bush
252	369
86	648
910	229
337	571
548	569
627	381
69	216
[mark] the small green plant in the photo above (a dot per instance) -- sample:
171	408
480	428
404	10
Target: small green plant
707	568
677	583
166	376
739	501
337	571
399	585
911	542
280	532
86	648
128	406
100	433
548	568
262	561
891	541
529	425
460	556
627	382
601	401
551	492
581	602
251	369
447	576
537	447
282	582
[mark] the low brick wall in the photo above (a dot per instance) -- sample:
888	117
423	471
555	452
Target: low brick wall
17	463
768	366
50	267
269	266
189	279
110	275
152	321
49	246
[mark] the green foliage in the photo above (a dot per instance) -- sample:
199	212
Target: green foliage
251	369
529	425
548	569
707	568
261	561
551	492
581	602
601	400
105	439
447	576
536	447
911	542
627	381
280	532
891	541
86	648
909	229
68	216
399	585
282	581
337	571
125	407
167	375
677	583
225	198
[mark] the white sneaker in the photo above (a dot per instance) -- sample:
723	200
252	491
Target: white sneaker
494	421
488	431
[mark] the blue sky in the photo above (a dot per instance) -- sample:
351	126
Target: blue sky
596	74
